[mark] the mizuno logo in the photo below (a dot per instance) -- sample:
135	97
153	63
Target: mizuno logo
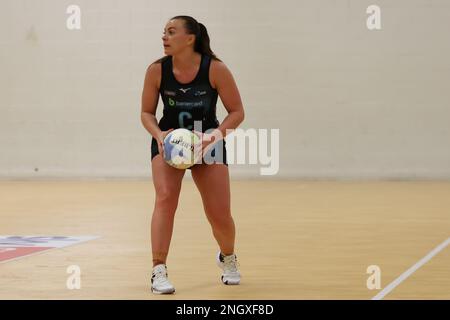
185	90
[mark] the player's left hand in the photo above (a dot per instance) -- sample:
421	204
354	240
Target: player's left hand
207	140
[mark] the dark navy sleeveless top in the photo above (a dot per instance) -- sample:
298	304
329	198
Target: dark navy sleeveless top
189	102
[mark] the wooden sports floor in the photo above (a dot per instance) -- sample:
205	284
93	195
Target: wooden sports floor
295	240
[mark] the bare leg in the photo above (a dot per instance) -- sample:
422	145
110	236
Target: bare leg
167	182
213	183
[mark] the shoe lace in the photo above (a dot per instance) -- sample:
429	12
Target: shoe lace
230	263
160	275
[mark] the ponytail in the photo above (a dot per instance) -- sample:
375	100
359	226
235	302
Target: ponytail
202	42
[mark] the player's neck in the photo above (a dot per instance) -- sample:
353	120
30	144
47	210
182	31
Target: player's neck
186	60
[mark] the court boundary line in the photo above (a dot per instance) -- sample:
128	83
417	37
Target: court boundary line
391	286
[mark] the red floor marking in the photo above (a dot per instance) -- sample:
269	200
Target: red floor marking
15	252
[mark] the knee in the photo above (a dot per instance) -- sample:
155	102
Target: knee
166	198
220	218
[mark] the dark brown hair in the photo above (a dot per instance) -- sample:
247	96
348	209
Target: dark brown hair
201	45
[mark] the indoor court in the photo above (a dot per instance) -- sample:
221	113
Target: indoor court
314	242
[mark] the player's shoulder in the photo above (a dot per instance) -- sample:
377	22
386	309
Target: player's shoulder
218	72
218	65
153	73
154	68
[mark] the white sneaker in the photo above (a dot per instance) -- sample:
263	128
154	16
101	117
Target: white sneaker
160	283
229	265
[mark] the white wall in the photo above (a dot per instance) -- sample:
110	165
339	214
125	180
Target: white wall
349	102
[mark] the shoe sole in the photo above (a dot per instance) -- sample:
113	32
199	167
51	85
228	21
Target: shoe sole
162	292
230	283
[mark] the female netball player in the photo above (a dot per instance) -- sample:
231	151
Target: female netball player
189	79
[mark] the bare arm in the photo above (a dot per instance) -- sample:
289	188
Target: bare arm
150	100
150	96
224	82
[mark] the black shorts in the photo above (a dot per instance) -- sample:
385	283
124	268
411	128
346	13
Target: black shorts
209	158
